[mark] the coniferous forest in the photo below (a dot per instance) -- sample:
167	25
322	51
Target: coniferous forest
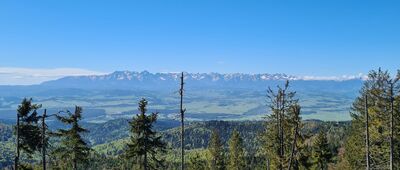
281	140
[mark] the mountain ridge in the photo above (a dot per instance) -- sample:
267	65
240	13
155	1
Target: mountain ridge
210	77
160	81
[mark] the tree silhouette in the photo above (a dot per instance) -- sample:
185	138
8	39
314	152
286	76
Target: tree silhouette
145	144
73	148
27	130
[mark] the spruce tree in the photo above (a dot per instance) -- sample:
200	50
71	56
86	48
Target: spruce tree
216	150
321	154
381	90
27	130
237	160
145	144
282	138
73	149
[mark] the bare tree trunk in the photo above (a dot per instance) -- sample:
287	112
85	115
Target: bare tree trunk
16	164
279	124
282	120
75	164
182	111
391	125
145	161
44	140
367	133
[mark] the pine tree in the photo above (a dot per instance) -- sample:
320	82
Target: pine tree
73	148
378	89
27	130
321	153
236	152
216	150
145	144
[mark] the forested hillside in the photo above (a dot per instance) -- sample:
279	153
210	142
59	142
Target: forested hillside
281	140
109	139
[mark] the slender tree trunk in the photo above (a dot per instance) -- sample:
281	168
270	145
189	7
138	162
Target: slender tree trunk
391	125
145	161
279	122
367	132
293	145
44	140
182	111
16	164
75	164
282	120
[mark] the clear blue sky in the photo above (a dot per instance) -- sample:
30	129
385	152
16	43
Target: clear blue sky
320	38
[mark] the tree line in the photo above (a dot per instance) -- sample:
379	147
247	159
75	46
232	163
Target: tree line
372	141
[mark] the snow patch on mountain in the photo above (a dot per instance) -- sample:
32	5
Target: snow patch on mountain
214	77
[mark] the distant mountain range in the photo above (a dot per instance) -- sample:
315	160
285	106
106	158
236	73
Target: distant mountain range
215	77
147	80
209	96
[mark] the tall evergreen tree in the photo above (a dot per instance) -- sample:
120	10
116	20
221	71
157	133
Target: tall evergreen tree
196	162
296	121
282	138
381	91
27	130
237	159
73	149
216	150
145	143
321	154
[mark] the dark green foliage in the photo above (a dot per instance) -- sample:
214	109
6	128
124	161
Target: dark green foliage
283	139
378	90
145	144
237	159
29	129
73	150
117	129
321	154
216	150
200	133
110	154
196	162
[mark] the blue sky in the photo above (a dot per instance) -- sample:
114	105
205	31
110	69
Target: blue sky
319	38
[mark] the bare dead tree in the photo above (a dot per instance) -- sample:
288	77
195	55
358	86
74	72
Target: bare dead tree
391	125
182	114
